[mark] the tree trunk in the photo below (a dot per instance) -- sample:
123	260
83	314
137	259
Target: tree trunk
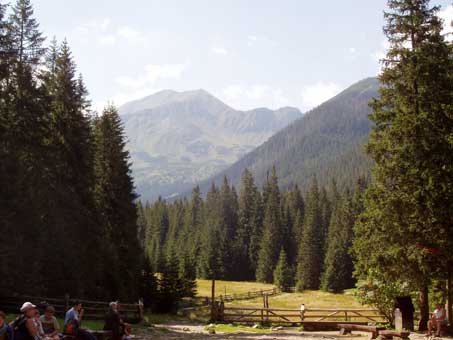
424	309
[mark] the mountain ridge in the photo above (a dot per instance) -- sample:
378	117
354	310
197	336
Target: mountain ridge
178	138
325	140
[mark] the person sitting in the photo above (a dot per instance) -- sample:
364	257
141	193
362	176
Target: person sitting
6	332
24	326
38	324
113	322
438	319
50	324
73	321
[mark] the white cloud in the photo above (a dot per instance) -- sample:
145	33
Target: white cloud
246	97
381	53
131	35
255	39
352	50
447	16
257	92
233	92
108	39
219	50
316	94
151	75
280	99
103	32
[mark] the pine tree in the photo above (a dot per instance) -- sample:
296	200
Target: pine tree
407	219
338	266
283	275
115	198
249	228
188	276
310	254
272	236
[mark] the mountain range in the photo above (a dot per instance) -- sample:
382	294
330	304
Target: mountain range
177	139
326	142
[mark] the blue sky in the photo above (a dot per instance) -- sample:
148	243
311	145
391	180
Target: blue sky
249	53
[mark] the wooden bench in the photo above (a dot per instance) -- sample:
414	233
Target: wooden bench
348	328
389	334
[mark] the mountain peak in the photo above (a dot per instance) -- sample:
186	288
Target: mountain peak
165	97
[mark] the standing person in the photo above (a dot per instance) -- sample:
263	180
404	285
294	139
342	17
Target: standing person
114	323
6	332
438	319
73	321
24	326
50	324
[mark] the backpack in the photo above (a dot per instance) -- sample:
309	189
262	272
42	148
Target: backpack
71	327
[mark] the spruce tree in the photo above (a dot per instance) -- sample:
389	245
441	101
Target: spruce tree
310	254
272	235
283	275
115	199
338	266
408	204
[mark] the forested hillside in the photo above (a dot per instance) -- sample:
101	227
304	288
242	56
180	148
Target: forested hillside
326	142
68	220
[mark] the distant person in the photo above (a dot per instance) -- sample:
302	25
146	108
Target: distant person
6	332
438	319
50	324
113	322
24	326
73	322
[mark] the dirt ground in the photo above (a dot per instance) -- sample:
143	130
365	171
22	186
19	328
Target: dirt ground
184	331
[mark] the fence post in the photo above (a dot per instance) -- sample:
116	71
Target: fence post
140	309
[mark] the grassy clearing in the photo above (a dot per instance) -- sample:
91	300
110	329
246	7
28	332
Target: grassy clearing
311	299
230	287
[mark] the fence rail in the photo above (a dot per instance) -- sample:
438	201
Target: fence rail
307	316
249	295
94	310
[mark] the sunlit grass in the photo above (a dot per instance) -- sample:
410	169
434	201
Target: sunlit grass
229	287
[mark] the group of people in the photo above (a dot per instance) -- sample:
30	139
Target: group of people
30	325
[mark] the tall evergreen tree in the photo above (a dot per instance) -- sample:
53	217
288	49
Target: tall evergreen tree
283	275
272	242
338	266
310	254
115	198
408	204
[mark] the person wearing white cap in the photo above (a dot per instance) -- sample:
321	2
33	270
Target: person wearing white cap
113	322
24	326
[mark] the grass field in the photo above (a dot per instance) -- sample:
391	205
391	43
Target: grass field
311	299
229	287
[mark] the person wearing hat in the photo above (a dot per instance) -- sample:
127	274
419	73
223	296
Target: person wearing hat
24	326
113	322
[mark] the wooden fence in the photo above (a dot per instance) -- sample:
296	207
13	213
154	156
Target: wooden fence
311	316
249	295
206	301
93	310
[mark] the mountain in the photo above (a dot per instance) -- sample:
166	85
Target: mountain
179	138
326	142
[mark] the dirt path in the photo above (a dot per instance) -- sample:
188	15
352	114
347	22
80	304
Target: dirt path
187	331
